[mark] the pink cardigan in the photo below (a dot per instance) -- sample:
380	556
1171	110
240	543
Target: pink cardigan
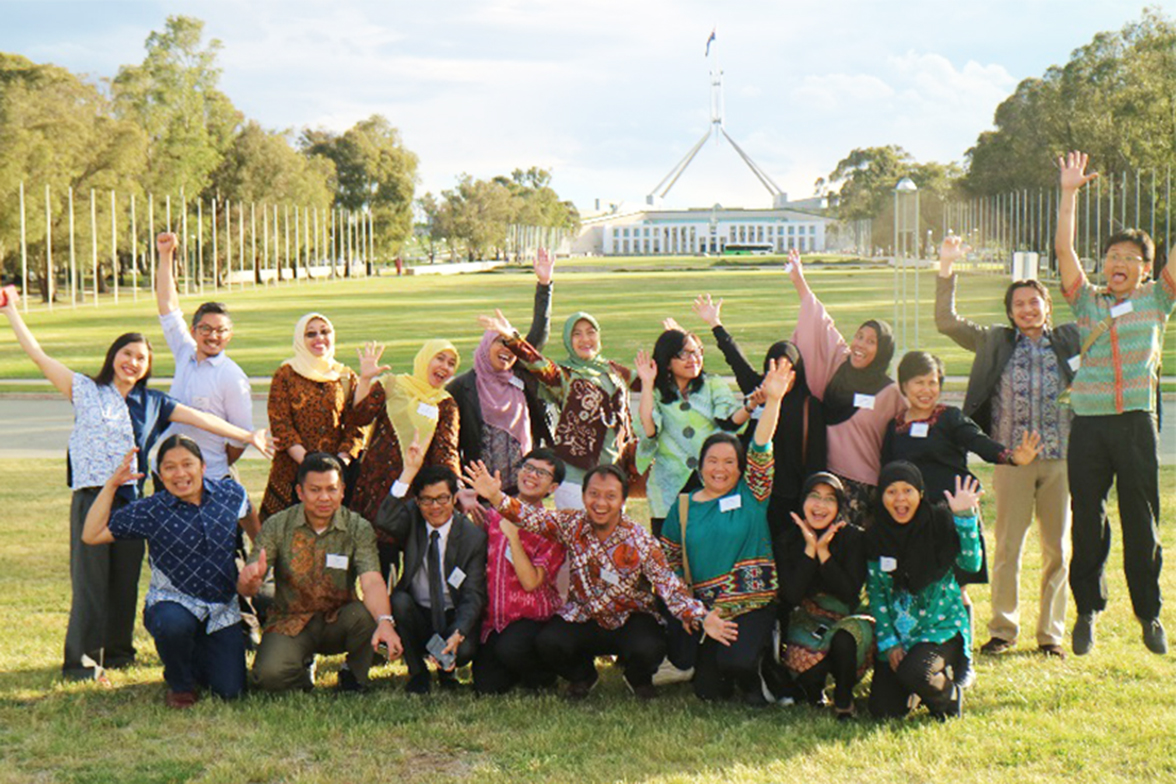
855	445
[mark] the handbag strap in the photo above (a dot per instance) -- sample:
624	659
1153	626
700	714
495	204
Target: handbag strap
683	518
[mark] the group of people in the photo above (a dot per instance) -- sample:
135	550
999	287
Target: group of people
823	525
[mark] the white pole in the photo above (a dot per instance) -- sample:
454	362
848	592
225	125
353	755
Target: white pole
134	253
215	257
151	239
200	245
49	247
114	245
253	242
184	243
241	239
73	261
228	245
24	253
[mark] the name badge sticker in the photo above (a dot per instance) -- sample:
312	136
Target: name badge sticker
515	381
456	577
509	554
337	561
730	502
1075	362
425	410
919	429
863	401
610	577
757	412
887	563
1122	309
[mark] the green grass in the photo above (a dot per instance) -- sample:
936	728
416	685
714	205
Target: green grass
1105	717
760	308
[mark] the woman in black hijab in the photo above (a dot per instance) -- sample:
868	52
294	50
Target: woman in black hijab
921	622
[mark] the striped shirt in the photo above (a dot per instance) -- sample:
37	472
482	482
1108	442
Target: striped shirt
1118	371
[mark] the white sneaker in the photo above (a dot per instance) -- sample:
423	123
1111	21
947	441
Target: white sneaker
667	673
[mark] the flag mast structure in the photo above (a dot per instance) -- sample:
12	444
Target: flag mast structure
718	131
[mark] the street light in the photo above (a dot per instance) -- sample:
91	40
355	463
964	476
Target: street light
906	221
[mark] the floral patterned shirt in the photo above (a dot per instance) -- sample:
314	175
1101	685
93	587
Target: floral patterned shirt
1026	400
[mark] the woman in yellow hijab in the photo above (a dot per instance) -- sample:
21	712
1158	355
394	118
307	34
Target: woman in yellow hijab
399	407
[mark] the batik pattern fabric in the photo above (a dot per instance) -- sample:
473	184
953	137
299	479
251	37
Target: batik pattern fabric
508	601
1027	399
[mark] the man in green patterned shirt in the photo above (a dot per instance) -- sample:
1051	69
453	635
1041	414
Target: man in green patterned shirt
1114	435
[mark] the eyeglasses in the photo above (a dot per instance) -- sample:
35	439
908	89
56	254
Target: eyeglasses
542	473
220	332
1121	257
441	500
686	354
822	499
312	334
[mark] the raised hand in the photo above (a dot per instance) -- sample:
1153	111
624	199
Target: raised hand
756	398
646	369
951	251
544	266
9	298
261	441
1028	450
826	537
252	575
806	530
669	322
498	323
369	361
708	310
487	485
1073	170
414	454
725	632
966	496
795	269
778	380
166	243
125	473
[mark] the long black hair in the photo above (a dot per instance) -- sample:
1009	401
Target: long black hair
105	376
669	344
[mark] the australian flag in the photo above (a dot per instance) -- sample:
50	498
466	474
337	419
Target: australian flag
708	42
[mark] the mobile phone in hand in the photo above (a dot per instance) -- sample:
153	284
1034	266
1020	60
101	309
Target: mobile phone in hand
436	647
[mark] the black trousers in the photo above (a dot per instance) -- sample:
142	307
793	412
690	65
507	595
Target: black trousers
104	580
923	671
841	663
570	649
511	657
720	669
414	624
1121	448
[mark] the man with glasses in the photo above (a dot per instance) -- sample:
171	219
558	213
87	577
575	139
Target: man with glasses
1114	436
441	593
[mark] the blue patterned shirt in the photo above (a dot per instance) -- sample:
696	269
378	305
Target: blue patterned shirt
1026	399
190	548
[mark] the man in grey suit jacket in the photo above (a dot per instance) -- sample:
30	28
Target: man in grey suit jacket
1018	378
442	585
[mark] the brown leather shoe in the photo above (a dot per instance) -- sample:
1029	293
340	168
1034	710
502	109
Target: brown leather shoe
996	646
179	700
1049	649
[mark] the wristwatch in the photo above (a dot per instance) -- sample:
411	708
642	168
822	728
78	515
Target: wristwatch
387	618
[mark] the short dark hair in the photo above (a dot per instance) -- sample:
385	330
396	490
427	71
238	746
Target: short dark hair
669	344
177	441
609	469
319	463
1028	283
1137	237
919	363
558	470
431	475
105	376
216	308
714	439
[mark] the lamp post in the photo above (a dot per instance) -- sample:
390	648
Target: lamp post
906	222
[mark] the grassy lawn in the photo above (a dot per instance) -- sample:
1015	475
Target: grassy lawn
1105	717
760	308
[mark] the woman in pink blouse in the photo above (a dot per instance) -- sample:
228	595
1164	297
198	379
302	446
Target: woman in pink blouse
858	397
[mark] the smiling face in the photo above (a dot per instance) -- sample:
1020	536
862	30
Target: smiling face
922	392
501	357
720	469
585	339
322	494
441	368
1124	268
212	334
536	480
131	363
686	365
319	337
901	500
820	507
604	498
1029	310
863	348
436	503
182	474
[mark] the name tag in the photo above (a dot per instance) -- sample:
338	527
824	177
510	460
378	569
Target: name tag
457	577
425	410
509	554
1075	362
730	502
863	401
610	577
515	381
919	429
1122	309
336	561
887	563
757	412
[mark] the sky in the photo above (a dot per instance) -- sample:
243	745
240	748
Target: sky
608	95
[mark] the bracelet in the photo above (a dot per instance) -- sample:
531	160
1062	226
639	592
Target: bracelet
387	618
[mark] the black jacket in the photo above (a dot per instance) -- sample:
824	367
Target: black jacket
466	547
993	347
464	389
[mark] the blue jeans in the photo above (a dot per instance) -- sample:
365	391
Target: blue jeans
191	656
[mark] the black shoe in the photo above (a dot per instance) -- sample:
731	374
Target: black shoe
1082	639
965	676
1154	637
348	684
1051	650
418	684
579	690
996	646
447	680
956	709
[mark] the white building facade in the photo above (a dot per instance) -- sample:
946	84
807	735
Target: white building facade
706	231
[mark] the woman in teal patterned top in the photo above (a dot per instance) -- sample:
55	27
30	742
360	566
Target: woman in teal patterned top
680	407
921	622
726	556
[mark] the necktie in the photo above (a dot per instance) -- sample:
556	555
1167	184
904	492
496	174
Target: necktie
436	586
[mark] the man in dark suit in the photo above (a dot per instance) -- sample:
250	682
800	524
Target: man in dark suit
442	585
